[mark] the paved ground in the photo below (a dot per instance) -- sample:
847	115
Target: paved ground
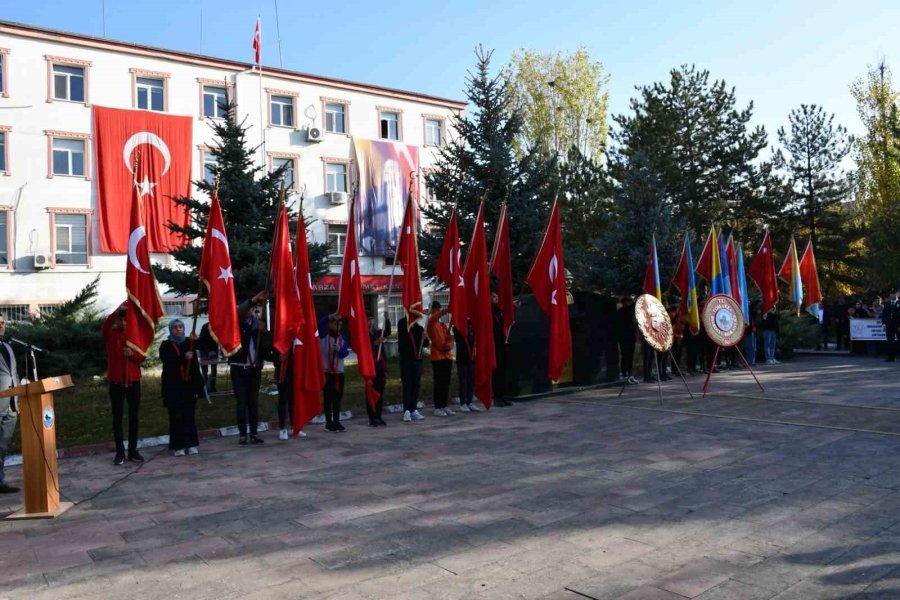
581	496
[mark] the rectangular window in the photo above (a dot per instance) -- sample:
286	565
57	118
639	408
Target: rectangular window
334	117
215	100
390	126
68	83
68	157
283	111
2	151
4	257
2	72
210	166
71	239
150	93
288	176
432	132
337	238
335	177
15	312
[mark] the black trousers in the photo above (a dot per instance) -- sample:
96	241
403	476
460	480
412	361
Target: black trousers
626	358
285	403
379	382
693	344
465	375
441	392
892	333
120	394
210	371
334	391
182	423
649	361
245	382
498	377
411	377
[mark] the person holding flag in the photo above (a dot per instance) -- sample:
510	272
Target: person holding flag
477	279
376	337
245	365
123	372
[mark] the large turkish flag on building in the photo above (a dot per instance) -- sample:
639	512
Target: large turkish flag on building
164	143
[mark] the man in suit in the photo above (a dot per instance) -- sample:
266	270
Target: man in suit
890	318
9	377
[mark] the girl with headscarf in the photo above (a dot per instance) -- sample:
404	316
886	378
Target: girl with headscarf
182	383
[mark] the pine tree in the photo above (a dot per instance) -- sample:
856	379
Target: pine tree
250	201
817	184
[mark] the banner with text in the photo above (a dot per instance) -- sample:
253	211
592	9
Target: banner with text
867	330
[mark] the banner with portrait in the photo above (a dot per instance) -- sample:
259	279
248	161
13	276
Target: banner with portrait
386	170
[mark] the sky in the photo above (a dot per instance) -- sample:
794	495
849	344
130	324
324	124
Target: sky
777	54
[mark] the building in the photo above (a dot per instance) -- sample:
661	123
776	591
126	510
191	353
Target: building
49	82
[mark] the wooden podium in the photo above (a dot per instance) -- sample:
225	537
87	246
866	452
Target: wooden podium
37	423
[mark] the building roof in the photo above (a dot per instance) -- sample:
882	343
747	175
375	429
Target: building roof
79	39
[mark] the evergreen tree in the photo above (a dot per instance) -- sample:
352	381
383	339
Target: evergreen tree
817	184
250	200
482	163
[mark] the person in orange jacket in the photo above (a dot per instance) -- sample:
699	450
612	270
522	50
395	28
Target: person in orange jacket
441	341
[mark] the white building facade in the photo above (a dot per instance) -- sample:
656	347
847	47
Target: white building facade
49	81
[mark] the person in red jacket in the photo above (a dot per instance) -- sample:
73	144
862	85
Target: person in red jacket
123	371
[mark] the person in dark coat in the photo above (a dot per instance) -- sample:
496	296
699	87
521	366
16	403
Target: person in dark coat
410	342
376	337
182	383
498	380
465	367
208	351
245	370
625	333
890	318
335	346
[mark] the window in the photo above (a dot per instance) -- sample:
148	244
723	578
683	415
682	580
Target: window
68	157
70	247
150	93
173	308
335	117
4	60
337	238
215	99
335	177
68	83
47	310
282	111
210	166
288	176
15	312
433	129
3	166
4	237
390	125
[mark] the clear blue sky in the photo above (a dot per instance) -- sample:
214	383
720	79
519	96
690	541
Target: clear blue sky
777	53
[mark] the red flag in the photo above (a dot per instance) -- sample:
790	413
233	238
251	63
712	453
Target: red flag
449	271
547	279
704	267
408	255
145	305
164	142
687	285
352	307
216	276
731	258
651	273
810	276
762	272
501	266
478	299
309	373
257	42
288	312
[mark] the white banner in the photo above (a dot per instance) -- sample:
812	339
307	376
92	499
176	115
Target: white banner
867	329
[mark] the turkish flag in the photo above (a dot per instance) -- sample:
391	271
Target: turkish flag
449	271
145	307
288	312
164	144
501	266
309	372
547	279
408	255
762	272
477	278
217	277
352	307
810	276
257	42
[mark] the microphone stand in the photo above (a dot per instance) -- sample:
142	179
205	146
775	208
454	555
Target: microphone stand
30	349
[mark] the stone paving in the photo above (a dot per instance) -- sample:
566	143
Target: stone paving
568	497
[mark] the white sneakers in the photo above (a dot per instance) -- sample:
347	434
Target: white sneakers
465	408
178	452
448	411
407	416
283	434
301	434
473	408
193	450
417	416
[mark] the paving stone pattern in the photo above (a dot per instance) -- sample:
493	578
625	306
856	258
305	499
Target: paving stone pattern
564	498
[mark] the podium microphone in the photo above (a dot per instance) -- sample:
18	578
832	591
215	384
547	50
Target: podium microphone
26	344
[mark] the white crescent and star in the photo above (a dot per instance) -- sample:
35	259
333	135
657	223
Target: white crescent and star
145	137
136	236
552	268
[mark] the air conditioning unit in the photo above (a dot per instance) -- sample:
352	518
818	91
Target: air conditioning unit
41	261
337	197
313	134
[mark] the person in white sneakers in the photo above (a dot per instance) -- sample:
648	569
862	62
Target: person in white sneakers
410	341
465	367
441	358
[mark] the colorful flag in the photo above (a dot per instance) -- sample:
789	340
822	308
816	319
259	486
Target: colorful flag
257	42
164	144
731	259
218	279
547	280
709	266
744	299
762	272
449	271
501	266
478	286
687	285
288	312
651	273
352	307
810	278
408	257
145	305
309	372
790	274
726	265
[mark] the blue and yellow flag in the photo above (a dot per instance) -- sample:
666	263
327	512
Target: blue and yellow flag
709	266
686	283
790	274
